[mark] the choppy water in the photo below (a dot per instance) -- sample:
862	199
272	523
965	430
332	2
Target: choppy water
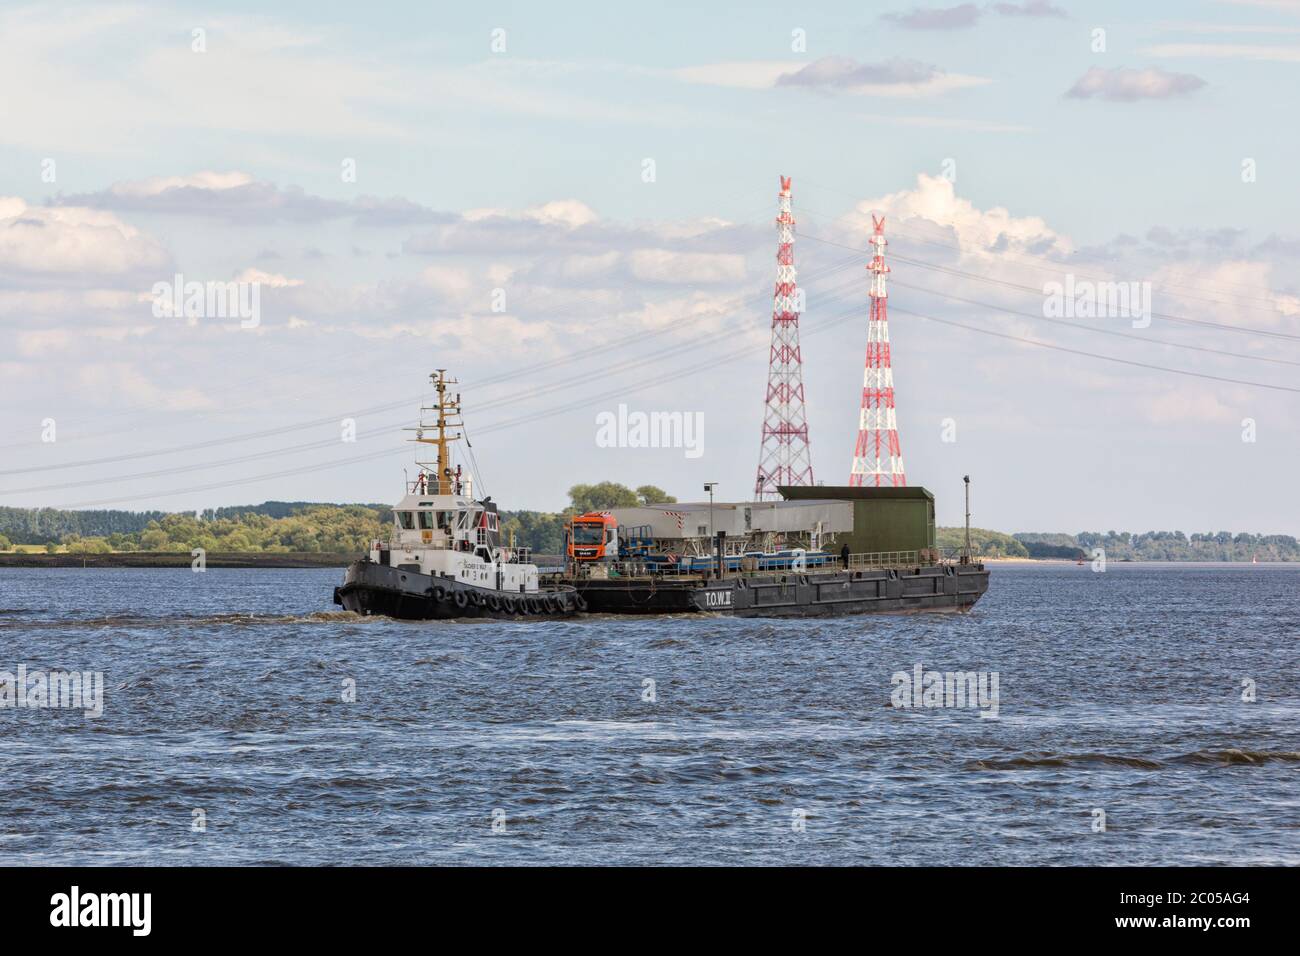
1120	691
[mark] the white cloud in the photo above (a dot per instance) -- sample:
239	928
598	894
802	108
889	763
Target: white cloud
450	281
588	267
661	265
125	381
1292	6
237	196
202	180
959	17
1198	26
1229	51
1121	84
946	122
966	15
895	77
892	78
273	280
1244	285
159	85
975	232
63	240
41	341
569	213
744	75
1188	405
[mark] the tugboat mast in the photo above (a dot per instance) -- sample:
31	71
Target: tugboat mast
448	408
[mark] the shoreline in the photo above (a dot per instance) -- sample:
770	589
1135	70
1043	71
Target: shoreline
180	559
1145	561
340	560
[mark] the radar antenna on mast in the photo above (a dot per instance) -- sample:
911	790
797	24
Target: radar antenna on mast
438	478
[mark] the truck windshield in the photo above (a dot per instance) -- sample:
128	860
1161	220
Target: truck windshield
588	534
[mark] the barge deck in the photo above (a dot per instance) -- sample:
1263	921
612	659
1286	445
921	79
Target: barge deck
944	586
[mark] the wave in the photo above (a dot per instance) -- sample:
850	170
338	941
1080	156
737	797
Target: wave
1228	757
1235	756
1061	761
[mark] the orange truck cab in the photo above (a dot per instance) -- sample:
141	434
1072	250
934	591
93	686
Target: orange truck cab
592	537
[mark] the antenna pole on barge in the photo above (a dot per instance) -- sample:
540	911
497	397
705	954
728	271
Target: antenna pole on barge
966	556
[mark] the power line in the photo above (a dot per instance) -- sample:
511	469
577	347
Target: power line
1092	328
316	364
629	365
576	355
1096	355
498	426
920	263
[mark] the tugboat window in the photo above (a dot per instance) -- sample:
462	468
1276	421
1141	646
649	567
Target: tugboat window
407	519
426	520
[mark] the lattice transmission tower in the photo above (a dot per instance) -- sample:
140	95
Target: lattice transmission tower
783	457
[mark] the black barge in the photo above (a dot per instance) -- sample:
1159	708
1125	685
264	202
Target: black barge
946	586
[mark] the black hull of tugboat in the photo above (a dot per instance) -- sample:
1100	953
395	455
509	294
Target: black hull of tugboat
370	588
934	588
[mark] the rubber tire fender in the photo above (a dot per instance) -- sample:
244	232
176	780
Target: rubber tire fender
460	599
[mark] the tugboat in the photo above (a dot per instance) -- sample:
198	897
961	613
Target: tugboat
445	558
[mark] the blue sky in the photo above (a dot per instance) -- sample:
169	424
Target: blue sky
1005	147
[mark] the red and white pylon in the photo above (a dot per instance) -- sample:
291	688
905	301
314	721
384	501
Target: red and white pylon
783	456
877	456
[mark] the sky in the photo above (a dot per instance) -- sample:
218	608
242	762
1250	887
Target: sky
570	207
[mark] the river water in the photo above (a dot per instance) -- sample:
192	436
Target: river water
247	721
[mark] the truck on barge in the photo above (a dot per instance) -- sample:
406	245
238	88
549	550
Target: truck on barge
823	551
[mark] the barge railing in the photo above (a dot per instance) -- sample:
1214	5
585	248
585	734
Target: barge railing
870	561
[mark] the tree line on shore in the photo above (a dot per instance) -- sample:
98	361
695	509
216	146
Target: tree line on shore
280	526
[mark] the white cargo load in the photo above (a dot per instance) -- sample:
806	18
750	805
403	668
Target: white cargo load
738	520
